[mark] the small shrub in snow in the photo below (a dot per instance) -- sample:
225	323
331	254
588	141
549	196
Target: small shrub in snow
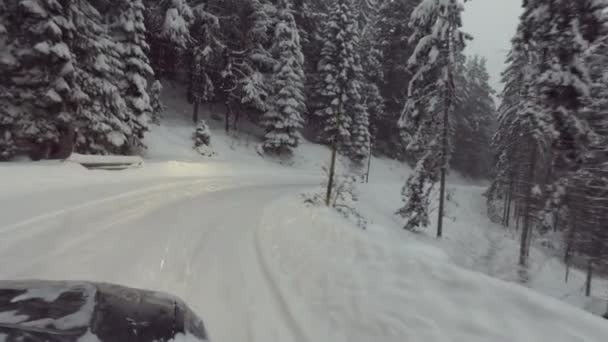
344	197
202	139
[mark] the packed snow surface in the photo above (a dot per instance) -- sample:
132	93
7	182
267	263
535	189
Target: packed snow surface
231	236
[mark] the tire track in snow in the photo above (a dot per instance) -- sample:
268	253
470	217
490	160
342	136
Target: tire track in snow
130	207
218	250
56	213
275	289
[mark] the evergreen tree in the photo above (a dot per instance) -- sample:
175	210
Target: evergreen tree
8	116
155	101
586	195
178	19
168	23
548	126
560	31
475	116
202	139
103	113
425	121
257	65
342	114
283	119
371	60
203	58
129	34
310	18
559	34
393	34
505	141
37	77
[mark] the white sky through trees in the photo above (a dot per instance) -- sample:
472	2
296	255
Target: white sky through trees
492	24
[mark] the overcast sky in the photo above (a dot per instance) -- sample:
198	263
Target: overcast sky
492	24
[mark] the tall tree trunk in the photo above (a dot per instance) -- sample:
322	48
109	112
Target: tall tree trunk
369	162
569	245
444	138
606	315
524	250
505	208
589	277
237	118
441	201
195	111
332	172
228	114
509	200
511	190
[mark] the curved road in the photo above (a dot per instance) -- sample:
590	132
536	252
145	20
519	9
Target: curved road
192	238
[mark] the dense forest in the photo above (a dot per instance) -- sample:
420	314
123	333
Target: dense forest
361	76
551	147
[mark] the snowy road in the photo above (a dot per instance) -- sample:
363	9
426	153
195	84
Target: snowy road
190	237
235	242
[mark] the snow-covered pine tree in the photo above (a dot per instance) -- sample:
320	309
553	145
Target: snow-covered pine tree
560	31
203	58
521	163
8	116
178	18
586	197
129	34
371	61
360	136
155	92
341	113
393	36
245	62
557	35
168	23
37	68
310	16
475	116
425	119
505	141
202	139
283	118
103	115
257	64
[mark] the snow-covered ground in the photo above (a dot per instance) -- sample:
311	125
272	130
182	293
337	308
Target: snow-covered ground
231	236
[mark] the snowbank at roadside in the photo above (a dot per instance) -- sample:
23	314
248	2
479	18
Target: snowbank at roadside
346	284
